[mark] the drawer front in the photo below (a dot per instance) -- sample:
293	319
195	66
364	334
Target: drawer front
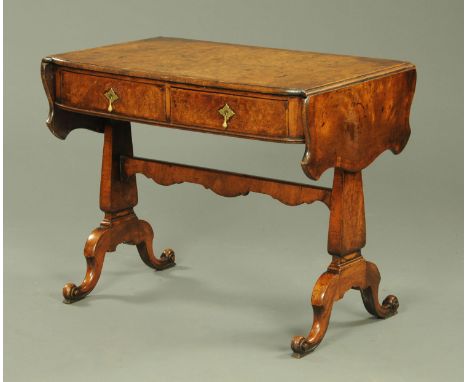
262	117
135	99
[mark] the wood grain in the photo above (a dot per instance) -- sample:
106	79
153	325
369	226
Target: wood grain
350	127
116	193
347	110
115	229
229	66
225	183
120	224
257	116
136	99
347	227
348	269
343	274
62	122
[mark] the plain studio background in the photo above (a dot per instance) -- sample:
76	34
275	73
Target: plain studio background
246	265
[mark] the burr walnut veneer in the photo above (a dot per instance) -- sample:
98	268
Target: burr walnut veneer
345	111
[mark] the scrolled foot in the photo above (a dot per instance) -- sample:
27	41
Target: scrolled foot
95	249
370	295
388	308
323	296
165	261
168	256
301	346
390	304
145	249
72	293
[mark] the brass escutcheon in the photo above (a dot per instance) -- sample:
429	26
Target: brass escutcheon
227	113
111	96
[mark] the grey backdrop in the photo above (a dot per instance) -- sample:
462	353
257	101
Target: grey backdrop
246	266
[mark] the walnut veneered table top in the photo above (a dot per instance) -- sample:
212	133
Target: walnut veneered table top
239	67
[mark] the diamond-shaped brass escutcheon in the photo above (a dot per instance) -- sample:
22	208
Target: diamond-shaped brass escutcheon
227	113
111	96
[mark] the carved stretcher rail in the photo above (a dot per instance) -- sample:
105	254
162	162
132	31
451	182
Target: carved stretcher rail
225	183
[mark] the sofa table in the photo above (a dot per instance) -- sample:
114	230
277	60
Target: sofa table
345	110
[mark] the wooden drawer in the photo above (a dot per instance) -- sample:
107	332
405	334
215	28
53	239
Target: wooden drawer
255	116
135	99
